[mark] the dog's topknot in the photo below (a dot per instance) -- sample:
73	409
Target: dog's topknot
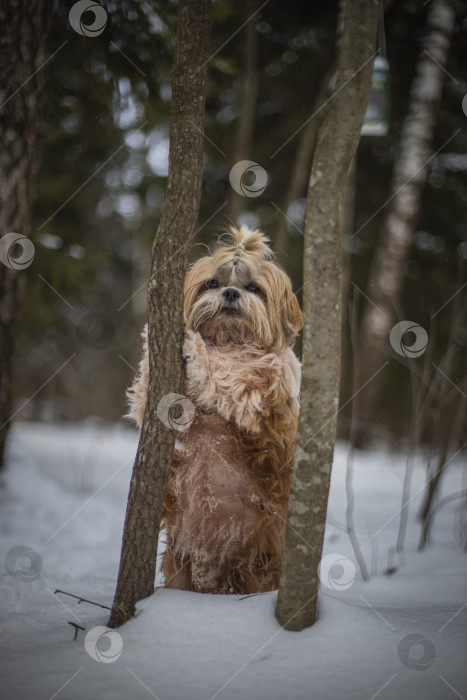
244	239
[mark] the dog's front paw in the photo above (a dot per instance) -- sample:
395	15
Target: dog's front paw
197	363
193	346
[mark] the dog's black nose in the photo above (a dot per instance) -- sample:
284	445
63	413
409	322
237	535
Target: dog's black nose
230	294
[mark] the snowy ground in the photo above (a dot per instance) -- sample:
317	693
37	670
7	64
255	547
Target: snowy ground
64	497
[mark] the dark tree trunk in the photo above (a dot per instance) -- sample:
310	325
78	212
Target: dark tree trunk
337	142
453	405
387	273
22	43
165	298
304	156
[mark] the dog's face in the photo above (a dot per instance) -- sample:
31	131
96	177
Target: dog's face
238	295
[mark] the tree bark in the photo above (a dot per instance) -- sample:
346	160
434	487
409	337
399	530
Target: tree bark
387	273
165	300
22	44
337	142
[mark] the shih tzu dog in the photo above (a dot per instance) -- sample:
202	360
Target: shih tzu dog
226	502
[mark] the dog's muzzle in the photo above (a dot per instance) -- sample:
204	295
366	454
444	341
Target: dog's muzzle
230	297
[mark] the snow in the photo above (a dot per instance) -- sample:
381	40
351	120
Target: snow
64	497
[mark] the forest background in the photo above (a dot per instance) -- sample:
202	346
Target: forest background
103	137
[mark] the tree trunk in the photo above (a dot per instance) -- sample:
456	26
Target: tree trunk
22	43
453	406
387	273
165	300
303	159
337	142
306	147
246	125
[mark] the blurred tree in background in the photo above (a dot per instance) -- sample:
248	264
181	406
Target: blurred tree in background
22	49
104	146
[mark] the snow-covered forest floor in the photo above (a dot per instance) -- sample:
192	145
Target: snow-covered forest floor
396	636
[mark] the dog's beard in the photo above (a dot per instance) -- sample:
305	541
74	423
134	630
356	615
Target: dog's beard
243	322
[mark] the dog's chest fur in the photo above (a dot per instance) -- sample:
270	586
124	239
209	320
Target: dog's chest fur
210	450
217	500
229	481
210	474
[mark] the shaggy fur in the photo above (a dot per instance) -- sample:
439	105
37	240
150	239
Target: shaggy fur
226	501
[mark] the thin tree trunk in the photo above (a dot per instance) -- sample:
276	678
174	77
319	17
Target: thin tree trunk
337	142
22	42
387	273
301	170
347	228
306	147
165	300
409	463
455	419
421	391
461	495
347	329
246	125
349	513
438	392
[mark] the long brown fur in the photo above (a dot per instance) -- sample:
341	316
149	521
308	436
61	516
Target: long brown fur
228	488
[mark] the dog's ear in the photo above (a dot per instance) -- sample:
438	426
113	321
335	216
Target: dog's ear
285	315
292	317
195	278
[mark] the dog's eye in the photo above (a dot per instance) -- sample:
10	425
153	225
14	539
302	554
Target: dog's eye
212	284
252	287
